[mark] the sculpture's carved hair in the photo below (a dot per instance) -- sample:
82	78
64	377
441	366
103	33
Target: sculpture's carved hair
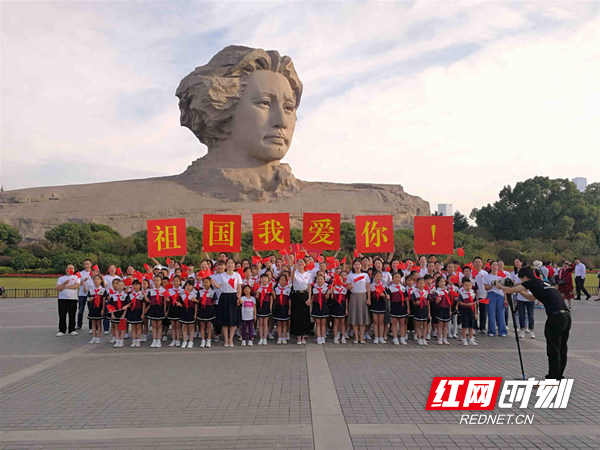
208	96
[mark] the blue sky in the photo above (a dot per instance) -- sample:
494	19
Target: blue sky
452	100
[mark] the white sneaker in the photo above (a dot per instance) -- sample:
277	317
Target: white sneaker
112	341
116	344
153	344
376	340
440	341
343	339
382	341
106	332
521	334
464	341
415	337
190	344
270	336
445	341
208	343
420	341
164	338
133	343
93	341
472	342
526	330
158	344
137	343
89	331
428	336
243	342
177	343
403	341
434	334
250	343
278	341
126	336
336	340
531	335
425	342
367	336
97	340
284	341
172	344
203	343
73	333
395	341
144	337
184	345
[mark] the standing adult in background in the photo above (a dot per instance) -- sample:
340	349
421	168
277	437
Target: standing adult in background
301	290
526	309
580	280
479	276
496	306
85	276
558	323
67	287
565	281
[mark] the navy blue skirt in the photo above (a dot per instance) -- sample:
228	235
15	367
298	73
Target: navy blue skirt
156	312
399	309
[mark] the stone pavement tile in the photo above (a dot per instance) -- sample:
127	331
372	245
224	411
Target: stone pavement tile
10	364
220	443
392	385
154	390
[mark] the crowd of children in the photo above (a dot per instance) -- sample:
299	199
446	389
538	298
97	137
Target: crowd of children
271	297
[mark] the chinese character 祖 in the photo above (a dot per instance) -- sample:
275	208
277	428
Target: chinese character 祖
166	237
321	229
374	234
221	233
271	231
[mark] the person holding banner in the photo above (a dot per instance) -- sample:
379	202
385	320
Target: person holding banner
230	284
358	312
301	290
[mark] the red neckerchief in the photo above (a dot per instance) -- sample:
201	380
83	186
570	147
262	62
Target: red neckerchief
320	289
133	299
164	296
422	300
204	296
399	287
118	300
97	298
186	300
447	297
281	295
338	293
263	292
471	301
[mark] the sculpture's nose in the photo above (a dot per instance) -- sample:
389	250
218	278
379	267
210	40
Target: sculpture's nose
278	116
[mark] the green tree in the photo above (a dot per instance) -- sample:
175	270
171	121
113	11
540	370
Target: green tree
9	235
539	207
592	194
73	235
460	221
23	259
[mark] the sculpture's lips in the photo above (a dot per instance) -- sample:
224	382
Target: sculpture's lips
277	137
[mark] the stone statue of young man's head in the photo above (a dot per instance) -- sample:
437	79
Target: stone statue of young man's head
242	105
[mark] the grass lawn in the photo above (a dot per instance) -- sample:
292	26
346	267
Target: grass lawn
28	283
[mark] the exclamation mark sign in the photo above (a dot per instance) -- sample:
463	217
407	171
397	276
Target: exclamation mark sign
433	227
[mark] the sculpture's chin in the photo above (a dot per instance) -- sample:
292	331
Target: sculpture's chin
270	154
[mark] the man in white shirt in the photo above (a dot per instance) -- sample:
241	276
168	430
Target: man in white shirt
481	293
580	280
85	276
67	286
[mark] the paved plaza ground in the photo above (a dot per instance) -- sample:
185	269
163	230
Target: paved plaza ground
65	393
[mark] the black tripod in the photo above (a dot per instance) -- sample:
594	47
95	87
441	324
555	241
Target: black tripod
512	305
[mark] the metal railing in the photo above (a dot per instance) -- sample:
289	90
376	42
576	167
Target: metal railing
29	293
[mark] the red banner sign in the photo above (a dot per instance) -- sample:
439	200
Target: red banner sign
271	231
374	234
321	231
434	235
166	237
222	233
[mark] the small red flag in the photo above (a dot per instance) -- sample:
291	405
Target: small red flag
330	260
320	259
295	248
241	272
78	275
148	276
331	266
343	261
266	259
71	272
169	286
147	267
460	251
356	254
184	267
96	268
128	281
168	261
111	308
256	260
205	273
119	272
283	252
184	275
123	324
310	266
337	280
138	275
300	255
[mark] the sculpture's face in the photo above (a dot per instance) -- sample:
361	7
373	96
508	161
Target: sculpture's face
265	117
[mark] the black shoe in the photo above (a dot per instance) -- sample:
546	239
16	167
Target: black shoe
577	298
588	297
78	327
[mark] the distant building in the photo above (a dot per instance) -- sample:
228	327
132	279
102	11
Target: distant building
445	209
581	183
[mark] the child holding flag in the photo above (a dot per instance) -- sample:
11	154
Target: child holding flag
339	306
264	304
320	311
281	310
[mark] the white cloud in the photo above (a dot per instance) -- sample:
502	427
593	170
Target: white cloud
430	96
